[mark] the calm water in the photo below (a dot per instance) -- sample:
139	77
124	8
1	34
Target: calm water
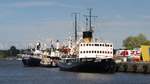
13	72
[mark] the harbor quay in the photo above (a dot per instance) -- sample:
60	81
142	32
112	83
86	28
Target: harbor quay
133	67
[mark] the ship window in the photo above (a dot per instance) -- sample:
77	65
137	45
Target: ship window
89	44
86	51
106	45
96	44
80	51
102	44
86	44
97	51
108	52
100	52
103	51
92	51
81	44
83	51
89	51
110	45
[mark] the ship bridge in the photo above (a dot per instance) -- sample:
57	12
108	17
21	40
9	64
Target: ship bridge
96	50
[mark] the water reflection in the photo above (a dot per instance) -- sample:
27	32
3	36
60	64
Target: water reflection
95	76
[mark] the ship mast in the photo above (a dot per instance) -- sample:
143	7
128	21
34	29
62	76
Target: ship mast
75	25
87	35
90	19
90	13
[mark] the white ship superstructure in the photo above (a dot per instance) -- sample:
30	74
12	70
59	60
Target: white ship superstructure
96	50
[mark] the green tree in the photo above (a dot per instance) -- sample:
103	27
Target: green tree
135	41
147	42
13	51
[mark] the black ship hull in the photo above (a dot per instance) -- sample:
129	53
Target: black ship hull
108	66
30	61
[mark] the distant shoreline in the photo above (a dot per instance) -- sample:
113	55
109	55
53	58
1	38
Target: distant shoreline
10	58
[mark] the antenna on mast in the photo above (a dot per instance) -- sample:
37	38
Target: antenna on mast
90	18
75	25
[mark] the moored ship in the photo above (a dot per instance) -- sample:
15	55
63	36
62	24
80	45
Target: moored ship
32	58
88	54
41	57
51	57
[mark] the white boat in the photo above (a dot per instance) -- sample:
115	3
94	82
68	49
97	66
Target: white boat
51	57
32	58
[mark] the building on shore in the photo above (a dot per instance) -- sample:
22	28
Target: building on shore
145	53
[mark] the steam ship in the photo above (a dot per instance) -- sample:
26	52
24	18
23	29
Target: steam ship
87	54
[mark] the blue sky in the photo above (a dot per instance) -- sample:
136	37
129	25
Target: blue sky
25	21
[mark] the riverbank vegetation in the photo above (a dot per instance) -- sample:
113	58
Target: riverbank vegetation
12	52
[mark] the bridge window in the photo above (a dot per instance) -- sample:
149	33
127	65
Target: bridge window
107	45
96	44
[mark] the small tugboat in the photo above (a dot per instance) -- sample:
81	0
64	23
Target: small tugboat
50	57
32	58
87	54
42	57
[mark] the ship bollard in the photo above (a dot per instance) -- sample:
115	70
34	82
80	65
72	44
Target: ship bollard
125	66
134	66
117	67
145	68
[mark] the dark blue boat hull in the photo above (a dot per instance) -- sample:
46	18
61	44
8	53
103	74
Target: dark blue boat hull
103	66
31	61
